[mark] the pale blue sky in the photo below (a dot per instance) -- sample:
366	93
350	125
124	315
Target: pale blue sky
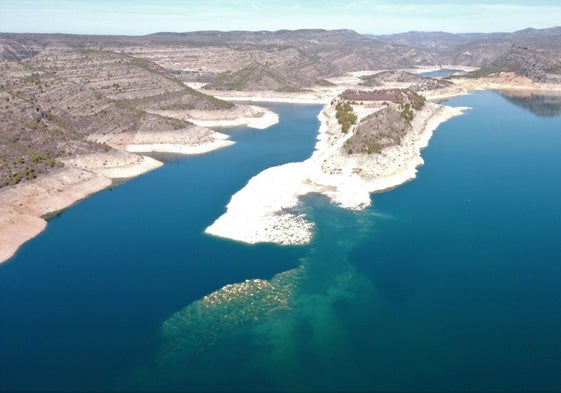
136	17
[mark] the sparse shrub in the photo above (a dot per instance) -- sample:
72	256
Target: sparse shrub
407	113
485	71
33	124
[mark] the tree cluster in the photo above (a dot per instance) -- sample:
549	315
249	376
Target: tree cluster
345	115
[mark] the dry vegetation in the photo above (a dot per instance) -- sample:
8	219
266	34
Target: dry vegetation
345	115
63	95
412	81
65	102
240	60
532	53
387	126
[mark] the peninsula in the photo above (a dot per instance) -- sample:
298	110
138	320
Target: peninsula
81	112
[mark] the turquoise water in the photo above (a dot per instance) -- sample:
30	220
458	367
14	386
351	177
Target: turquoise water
449	282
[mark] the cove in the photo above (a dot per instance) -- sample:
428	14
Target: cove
82	303
449	282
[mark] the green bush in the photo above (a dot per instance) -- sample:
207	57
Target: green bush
485	71
345	115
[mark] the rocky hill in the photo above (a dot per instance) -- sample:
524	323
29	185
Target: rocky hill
442	41
252	77
281	59
387	126
294	58
66	102
412	81
437	41
64	95
534	53
297	59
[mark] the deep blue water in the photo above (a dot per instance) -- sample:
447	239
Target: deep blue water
83	302
470	261
449	282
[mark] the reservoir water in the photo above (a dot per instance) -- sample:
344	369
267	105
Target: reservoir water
439	73
449	282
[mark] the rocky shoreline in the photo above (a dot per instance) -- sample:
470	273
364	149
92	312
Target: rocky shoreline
261	211
25	207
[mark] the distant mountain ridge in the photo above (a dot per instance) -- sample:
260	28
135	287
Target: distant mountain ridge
296	58
534	53
440	41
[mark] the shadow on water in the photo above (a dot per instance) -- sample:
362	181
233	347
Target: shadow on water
443	72
542	105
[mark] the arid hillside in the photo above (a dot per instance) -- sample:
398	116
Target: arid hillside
240	60
412	81
63	102
63	95
386	126
533	53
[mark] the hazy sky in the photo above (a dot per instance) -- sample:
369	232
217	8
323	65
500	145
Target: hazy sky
135	17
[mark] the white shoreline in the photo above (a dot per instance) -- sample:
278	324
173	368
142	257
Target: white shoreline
265	121
114	164
262	217
178	148
258	212
322	96
23	207
249	115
